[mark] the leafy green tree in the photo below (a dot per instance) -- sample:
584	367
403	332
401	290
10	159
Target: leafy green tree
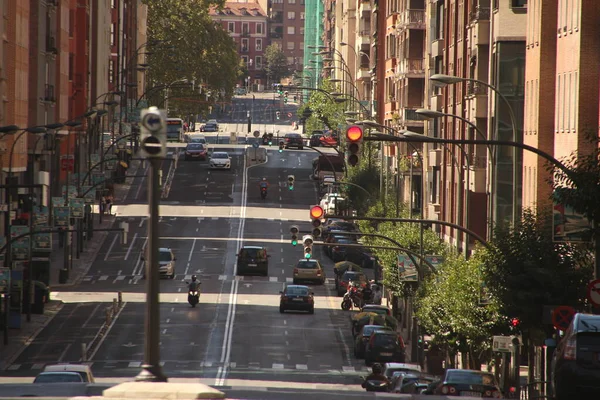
526	270
190	45
276	66
325	111
366	176
448	308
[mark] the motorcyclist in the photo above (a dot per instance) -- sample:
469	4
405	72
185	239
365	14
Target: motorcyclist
194	284
376	375
264	183
377	295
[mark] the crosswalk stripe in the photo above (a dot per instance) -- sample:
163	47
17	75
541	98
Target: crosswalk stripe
277	366
37	366
103	278
14	367
302	366
134	364
346	368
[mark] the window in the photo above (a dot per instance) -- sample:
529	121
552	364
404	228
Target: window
259	28
245	27
258	62
291	30
291	1
302	15
71	65
291	15
244	44
258	45
301	45
112	34
231	26
245	59
113	3
301	30
111	70
290	60
291	45
518	3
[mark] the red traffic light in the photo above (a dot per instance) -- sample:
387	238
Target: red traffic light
316	212
354	133
514	322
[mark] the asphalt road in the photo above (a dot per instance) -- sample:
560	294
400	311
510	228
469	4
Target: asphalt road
236	335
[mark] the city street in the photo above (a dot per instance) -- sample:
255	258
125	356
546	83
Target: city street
236	333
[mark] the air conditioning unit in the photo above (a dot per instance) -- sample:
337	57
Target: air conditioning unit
435	158
433	210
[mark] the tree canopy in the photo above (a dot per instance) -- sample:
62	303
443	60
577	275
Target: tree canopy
276	66
325	111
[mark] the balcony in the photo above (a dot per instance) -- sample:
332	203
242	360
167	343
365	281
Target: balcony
410	68
477	179
363	40
276	19
363	74
437	47
479	31
477	100
411	118
435	102
479	14
51	49
48	97
364	9
51	4
411	19
275	35
434	158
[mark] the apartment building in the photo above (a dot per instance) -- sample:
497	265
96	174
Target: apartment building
247	24
561	88
286	29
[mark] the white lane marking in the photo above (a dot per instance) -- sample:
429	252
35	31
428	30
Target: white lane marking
282	262
285	321
119	278
273	279
277	366
346	368
103	278
14	367
222	277
134	364
131	246
137	194
282	270
91	357
168	320
302	366
289	357
110	248
288	280
38	366
142	222
190	257
64	353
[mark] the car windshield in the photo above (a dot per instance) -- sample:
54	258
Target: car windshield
58	378
353	276
343	226
198	140
220	155
296	291
164	256
367	330
470	377
307	265
195	146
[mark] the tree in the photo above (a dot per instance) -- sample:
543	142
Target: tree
276	66
526	270
365	175
448	308
190	45
325	111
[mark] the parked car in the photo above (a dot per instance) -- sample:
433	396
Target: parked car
363	337
293	140
298	298
309	270
315	139
465	382
390	368
328	141
166	263
339	225
196	151
361	256
576	361
210	127
338	252
354	276
58	377
82	369
385	346
253	259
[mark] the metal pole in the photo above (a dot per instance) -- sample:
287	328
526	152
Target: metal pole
29	281
151	369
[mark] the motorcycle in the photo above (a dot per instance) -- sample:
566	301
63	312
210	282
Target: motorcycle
194	295
352	297
263	193
375	385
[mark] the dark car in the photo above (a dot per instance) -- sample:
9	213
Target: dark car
465	382
363	337
354	276
360	256
338	252
195	151
576	361
293	140
385	346
315	139
335	238
210	127
339	225
298	298
377	309
254	260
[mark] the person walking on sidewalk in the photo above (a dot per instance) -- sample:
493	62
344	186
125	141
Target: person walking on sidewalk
102	205
109	201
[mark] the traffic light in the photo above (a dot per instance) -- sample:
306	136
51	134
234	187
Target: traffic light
294	231
308	244
316	213
354	134
281	147
278	114
291	179
285	97
270	138
279	90
515	325
153	133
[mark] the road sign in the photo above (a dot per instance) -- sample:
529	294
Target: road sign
593	292
562	317
289	115
152	122
502	344
255	145
256	134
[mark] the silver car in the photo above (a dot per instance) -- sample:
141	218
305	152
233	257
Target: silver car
166	263
220	160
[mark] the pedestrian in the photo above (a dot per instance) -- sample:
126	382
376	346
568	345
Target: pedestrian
102	205
109	204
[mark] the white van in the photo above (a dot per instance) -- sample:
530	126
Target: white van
83	370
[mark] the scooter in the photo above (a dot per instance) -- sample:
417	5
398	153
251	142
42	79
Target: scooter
193	297
375	386
352	297
263	193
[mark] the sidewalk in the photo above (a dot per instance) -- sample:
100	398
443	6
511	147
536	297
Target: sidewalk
18	339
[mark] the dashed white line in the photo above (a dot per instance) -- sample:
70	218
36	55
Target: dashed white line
110	248
277	366
130	246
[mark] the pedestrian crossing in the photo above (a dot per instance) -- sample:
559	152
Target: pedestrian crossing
186	366
135	279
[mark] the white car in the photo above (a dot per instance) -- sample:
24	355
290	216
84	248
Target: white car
219	160
82	369
328	198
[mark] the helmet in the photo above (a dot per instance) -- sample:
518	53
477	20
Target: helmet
193	278
264	179
377	368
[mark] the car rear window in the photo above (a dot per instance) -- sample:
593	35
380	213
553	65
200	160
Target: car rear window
367	330
55	378
295	291
386	340
351	275
195	146
307	265
253	253
589	325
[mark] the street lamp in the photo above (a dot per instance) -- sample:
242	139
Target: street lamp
444	79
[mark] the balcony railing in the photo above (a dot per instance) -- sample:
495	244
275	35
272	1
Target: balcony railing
411	115
414	18
277	19
480	14
49	94
244	49
475	88
365	33
276	35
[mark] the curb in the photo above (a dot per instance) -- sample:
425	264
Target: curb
7	363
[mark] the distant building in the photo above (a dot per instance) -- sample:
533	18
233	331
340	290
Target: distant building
286	30
247	25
